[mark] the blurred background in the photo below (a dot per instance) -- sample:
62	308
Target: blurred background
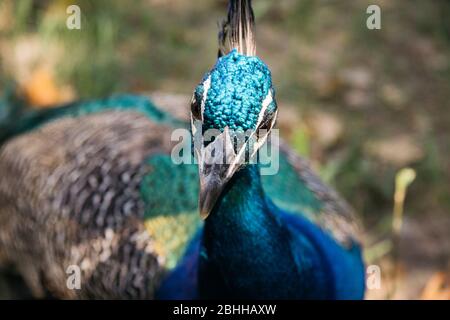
361	104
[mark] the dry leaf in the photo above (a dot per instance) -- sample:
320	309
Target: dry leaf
41	89
437	288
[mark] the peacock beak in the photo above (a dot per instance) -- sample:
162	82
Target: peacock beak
217	163
211	188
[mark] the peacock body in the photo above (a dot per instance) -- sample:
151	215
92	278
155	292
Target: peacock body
92	184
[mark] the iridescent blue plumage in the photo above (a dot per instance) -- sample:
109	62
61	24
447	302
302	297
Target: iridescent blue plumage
238	86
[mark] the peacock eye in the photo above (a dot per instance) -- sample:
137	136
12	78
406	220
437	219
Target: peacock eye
196	108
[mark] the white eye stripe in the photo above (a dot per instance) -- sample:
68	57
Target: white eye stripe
206	86
193	128
265	104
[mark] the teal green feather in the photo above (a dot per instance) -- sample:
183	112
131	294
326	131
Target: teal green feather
172	220
290	193
12	108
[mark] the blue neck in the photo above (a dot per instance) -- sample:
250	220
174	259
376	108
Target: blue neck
246	249
249	248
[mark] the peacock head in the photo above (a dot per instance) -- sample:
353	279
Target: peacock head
233	110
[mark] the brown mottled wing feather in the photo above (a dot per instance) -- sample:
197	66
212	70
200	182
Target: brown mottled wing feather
174	104
69	195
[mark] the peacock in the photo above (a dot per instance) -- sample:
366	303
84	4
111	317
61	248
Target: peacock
93	184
